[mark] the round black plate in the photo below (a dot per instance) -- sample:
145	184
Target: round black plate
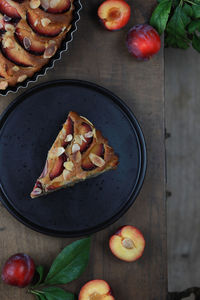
28	128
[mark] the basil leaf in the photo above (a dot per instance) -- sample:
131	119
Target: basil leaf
196	42
54	293
160	15
40	271
70	263
176	29
193	26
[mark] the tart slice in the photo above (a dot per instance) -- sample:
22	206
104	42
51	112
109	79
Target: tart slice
79	152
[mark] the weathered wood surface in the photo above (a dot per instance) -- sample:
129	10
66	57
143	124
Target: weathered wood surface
182	71
100	56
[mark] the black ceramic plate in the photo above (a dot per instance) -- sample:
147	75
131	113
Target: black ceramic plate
28	128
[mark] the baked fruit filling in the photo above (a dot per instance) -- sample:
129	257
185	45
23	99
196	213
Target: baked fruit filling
31	32
79	152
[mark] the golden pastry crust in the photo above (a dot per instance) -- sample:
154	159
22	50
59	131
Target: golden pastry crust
79	152
30	40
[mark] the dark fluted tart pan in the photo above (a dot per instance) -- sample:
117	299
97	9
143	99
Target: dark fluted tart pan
64	47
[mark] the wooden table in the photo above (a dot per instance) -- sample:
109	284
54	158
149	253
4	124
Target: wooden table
101	56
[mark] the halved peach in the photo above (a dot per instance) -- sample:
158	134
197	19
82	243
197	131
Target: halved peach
114	14
127	243
43	26
96	290
9	10
56	6
87	164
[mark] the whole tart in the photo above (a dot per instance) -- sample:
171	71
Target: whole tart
31	32
79	152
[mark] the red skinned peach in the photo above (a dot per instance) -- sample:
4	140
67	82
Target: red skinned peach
96	290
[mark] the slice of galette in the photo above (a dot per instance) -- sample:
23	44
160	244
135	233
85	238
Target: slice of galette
79	152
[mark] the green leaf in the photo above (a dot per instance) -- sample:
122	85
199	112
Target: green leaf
176	29
54	293
193	26
40	271
70	263
160	15
42	297
196	11
188	10
196	42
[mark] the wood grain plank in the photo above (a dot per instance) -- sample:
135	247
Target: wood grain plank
183	122
101	56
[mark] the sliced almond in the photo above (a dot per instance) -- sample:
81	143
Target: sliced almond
66	174
26	43
96	160
77	139
57	152
88	134
45	4
34	4
82	138
84	118
75	148
3	85
9	27
69	165
54	3
15	68
35	23
8	43
69	138
45	22
21	78
36	191
50	51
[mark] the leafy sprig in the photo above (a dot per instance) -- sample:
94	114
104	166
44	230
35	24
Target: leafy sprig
67	266
180	20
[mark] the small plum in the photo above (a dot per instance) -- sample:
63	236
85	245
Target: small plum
143	41
96	290
114	14
127	243
18	270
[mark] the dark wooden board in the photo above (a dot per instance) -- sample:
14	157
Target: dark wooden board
100	56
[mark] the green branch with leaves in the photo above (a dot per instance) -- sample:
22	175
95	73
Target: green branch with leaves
67	266
180	21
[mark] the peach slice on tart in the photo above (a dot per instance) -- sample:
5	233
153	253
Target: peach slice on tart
66	164
14	52
96	290
9	10
56	6
30	41
94	158
127	243
84	129
43	26
114	14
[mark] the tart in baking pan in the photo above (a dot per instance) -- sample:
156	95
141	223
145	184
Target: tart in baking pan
31	32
